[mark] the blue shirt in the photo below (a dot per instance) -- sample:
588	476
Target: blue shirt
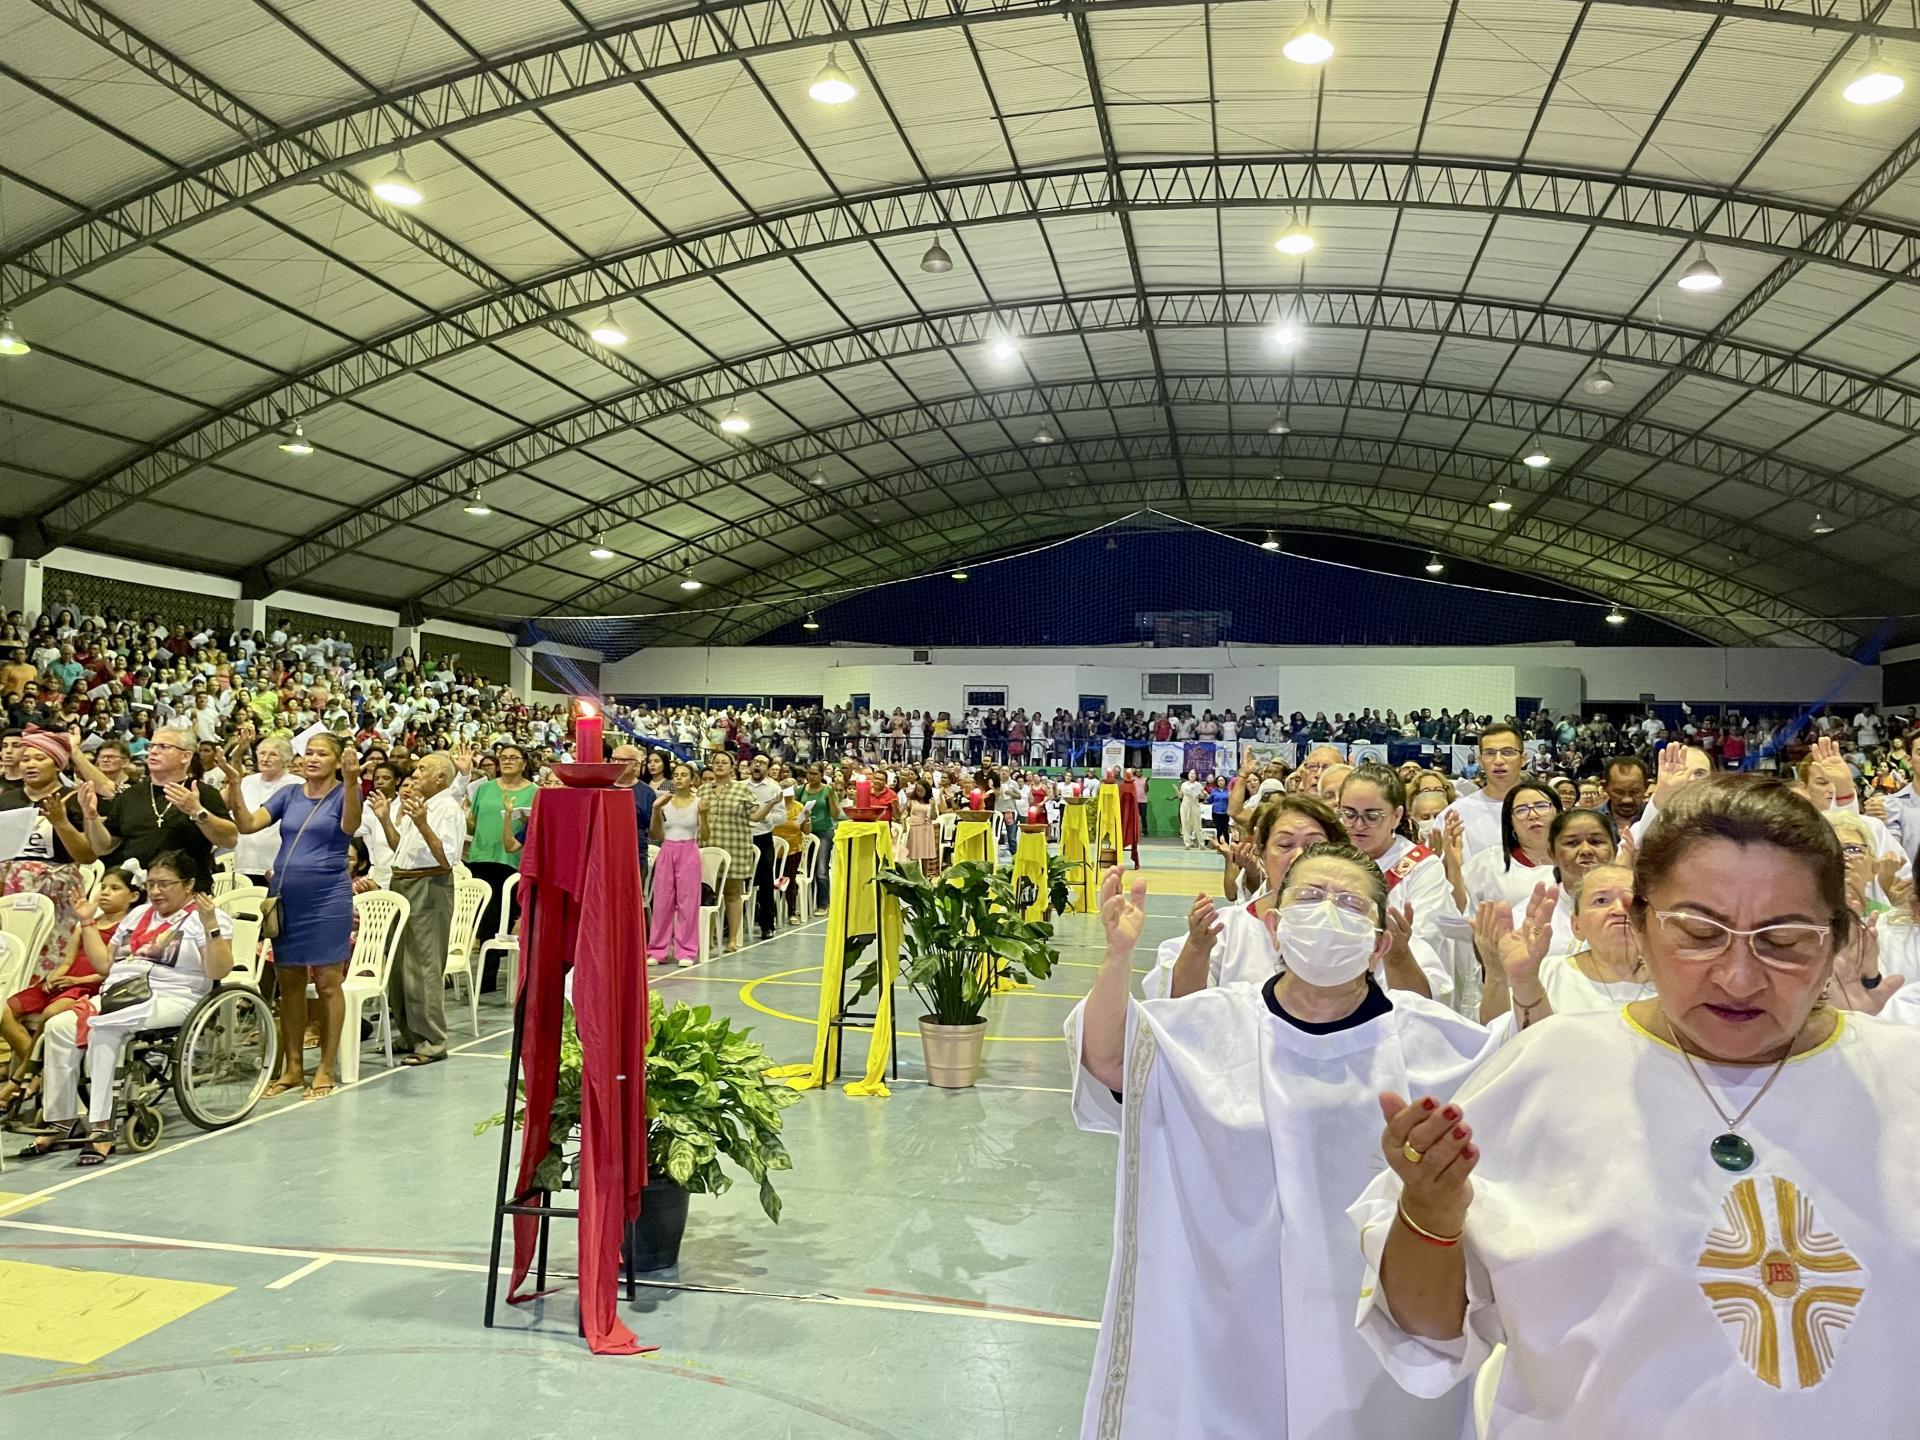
643	813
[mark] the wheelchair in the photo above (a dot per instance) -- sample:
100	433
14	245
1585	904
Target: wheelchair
217	1062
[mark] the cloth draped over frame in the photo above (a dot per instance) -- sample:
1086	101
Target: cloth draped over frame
580	892
973	837
1076	848
856	905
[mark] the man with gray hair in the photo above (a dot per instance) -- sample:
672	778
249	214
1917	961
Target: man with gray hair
166	809
428	835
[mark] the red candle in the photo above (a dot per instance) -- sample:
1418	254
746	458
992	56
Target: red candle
1036	816
1110	775
862	792
974	799
587	735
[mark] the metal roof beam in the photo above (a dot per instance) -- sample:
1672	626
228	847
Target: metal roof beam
1898	20
1662	207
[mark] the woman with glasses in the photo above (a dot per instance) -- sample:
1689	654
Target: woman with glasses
1523	861
1692	1216
1373	809
1246	1114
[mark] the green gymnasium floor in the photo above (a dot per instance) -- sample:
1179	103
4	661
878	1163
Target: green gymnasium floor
320	1268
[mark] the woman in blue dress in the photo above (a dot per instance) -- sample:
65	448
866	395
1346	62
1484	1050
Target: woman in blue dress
311	881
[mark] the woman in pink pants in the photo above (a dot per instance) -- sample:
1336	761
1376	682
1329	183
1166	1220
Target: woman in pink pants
674	923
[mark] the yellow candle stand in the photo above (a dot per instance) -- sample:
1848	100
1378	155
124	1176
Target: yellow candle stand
973	837
1076	848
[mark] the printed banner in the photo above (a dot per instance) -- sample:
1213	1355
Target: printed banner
1199	757
1113	756
1255	753
1461	757
1368	754
1168	757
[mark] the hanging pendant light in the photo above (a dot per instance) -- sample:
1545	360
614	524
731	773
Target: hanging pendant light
1278	426
1875	82
476	503
1004	347
1043	436
1616	616
1435	565
1287	333
10	341
809	623
1500	504
831	86
1700	276
600	550
1821	525
296	442
936	261
733	422
819	477
1536	459
687	582
1309	44
607	330
1599	382
397	187
1272	542
957	575
1296	239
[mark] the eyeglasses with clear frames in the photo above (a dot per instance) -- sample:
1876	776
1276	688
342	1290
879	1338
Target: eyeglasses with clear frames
1350	816
1353	904
1697	939
1504	752
1533	809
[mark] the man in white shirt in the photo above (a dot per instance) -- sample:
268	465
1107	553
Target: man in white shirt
1501	754
253	855
767	796
428	836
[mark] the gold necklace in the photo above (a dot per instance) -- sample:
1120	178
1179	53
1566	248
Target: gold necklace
1730	1150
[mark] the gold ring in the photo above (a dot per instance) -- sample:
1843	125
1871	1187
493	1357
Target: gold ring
1412	1154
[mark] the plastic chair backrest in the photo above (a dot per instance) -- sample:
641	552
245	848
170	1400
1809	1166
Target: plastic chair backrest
242	905
90	874
470	899
509	922
29	918
780	852
809	854
714	864
13	963
383	916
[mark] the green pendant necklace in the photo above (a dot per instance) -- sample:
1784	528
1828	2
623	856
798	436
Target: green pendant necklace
1731	1150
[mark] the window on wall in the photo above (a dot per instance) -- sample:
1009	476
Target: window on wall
1166	685
985	697
1266	704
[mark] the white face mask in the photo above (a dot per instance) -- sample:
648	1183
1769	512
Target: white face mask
1325	945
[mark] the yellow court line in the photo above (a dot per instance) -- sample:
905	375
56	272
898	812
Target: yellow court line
746	996
318	1263
803	985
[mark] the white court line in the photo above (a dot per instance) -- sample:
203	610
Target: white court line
317	1258
318	1263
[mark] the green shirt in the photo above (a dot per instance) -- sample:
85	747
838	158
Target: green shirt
490	806
817	805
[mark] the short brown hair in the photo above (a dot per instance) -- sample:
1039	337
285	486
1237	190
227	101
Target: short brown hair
1312	807
1748	810
1354	856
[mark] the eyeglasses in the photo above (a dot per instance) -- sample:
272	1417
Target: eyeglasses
1534	809
1697	939
1353	904
1505	752
163	745
1350	816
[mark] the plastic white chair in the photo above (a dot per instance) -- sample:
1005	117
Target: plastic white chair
469	904
224	878
28	918
808	875
383	917
242	905
714	864
946	822
91	873
781	850
506	939
13	963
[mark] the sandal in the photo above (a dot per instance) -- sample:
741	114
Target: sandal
91	1155
415	1061
319	1090
279	1087
48	1143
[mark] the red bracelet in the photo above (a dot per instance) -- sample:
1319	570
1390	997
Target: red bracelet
1445	1242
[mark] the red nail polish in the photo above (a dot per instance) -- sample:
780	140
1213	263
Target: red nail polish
1452	1114
1459	1132
1427	1104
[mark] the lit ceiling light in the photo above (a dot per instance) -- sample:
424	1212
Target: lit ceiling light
809	623
1286	334
957	575
1043	436
1296	239
936	261
1700	276
1279	426
1272	542
607	330
819	477
1004	348
1500	503
1435	565
10	341
1875	82
600	550
396	187
1309	44
831	86
1821	525
734	423
687	582
1616	617
296	442
1599	382
1536	459
476	503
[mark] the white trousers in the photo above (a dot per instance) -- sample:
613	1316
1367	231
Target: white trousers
107	1037
1190	823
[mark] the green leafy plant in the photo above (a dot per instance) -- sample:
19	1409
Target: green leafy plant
1059	883
708	1098
962	934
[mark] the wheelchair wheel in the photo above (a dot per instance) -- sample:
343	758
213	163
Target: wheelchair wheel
143	1129
224	1058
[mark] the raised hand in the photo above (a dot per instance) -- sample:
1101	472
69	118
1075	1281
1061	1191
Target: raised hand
1453	838
1874	805
350	765
203	907
463	758
1524	946
86	910
1203	924
1492	923
380	805
184	798
89	802
1671	768
1400	935
1123	911
1438	1186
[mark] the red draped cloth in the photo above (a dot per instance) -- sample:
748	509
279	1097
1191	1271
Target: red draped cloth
580	886
1130	821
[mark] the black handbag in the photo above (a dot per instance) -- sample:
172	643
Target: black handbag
125	994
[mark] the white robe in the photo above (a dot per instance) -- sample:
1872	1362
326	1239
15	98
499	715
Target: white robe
1243	953
1479	812
1423	888
1643	1291
1242	1139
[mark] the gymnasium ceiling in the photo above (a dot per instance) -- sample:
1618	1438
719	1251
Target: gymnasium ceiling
1503	194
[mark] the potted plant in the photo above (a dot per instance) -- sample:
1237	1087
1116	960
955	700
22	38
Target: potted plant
707	1098
962	935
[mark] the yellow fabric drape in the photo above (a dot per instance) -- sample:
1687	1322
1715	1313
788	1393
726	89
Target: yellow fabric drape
856	905
1030	860
1107	832
1083	880
973	837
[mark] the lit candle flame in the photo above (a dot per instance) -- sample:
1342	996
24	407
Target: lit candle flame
587	712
